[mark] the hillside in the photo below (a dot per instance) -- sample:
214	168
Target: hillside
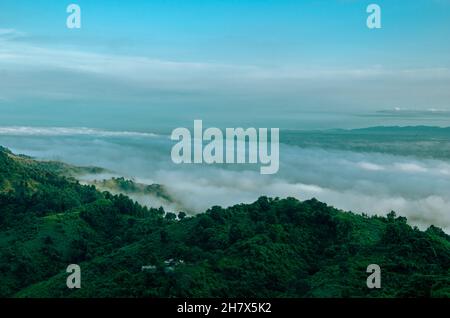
130	187
270	248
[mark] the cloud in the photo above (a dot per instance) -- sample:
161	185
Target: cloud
372	183
30	71
410	167
6	34
65	131
370	166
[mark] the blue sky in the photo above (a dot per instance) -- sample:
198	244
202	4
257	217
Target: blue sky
245	31
209	55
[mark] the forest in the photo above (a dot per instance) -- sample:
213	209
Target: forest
274	247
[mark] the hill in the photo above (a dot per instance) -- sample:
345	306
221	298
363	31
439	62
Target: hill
270	248
130	187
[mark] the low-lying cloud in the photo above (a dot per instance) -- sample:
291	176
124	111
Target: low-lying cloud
372	183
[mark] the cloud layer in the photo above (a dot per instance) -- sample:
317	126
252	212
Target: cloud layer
372	183
30	70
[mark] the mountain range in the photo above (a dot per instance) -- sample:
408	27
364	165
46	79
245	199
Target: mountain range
271	248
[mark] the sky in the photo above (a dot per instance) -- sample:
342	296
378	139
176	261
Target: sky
147	62
153	66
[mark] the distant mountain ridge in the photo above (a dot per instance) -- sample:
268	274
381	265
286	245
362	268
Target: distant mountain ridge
415	141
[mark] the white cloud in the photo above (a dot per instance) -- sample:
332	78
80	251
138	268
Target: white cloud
65	73
410	167
370	166
6	34
415	188
66	131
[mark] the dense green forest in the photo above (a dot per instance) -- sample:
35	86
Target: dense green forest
271	248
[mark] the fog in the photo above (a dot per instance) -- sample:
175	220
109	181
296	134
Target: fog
373	183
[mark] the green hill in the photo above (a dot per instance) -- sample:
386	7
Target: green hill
271	248
129	187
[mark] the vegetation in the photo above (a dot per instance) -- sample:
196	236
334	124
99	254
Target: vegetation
129	187
271	248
